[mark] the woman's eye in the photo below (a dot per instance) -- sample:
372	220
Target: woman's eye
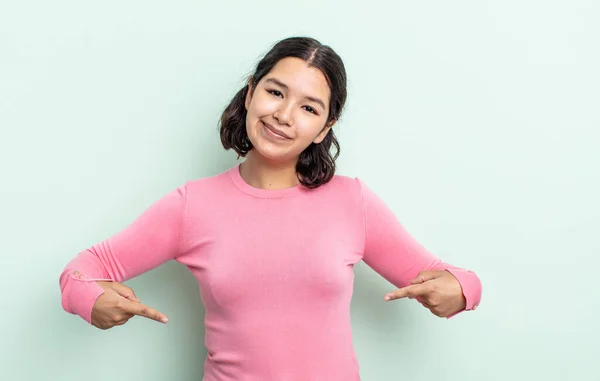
310	109
277	93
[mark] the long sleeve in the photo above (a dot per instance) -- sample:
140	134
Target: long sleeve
149	241
397	256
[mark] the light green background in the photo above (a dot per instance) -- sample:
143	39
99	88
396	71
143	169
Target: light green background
476	121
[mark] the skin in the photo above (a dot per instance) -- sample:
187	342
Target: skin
118	304
293	99
438	291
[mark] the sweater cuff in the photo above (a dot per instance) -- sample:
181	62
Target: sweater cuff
80	296
471	287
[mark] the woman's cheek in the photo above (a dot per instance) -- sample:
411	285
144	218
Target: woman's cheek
307	128
266	105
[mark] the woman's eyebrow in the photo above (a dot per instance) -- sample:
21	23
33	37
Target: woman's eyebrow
281	84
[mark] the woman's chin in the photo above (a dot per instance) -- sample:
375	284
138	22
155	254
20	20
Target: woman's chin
273	153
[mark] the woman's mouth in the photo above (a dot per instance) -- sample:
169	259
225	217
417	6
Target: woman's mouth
274	133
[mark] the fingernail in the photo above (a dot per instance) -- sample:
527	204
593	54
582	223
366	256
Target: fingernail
387	297
164	320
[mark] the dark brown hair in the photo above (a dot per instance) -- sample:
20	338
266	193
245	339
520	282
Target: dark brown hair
316	164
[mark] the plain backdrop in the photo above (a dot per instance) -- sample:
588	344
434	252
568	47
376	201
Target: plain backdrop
476	121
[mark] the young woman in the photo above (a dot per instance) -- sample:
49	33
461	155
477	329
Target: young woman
273	240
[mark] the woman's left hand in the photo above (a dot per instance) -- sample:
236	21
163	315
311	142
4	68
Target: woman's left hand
438	290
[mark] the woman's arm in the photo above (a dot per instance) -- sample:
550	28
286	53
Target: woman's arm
151	240
393	253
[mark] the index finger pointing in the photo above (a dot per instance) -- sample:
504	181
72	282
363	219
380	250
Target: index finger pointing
143	310
411	291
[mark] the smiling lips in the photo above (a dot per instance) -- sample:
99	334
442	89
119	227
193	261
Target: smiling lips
279	134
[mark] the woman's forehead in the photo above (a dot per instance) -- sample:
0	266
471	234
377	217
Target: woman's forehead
295	74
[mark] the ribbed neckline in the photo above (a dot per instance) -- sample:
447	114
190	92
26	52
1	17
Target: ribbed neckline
263	193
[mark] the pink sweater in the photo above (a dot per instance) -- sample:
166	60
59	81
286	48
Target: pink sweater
274	268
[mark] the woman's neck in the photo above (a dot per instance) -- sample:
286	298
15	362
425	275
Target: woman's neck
263	174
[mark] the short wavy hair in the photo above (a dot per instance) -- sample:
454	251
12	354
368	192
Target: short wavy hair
316	164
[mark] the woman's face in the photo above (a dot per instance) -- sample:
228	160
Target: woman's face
287	110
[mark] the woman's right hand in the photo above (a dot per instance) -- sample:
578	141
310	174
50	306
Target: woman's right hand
118	304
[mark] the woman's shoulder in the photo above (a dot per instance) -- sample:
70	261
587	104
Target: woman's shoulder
344	186
345	181
353	188
349	182
340	186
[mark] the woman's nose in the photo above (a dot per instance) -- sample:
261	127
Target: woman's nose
284	115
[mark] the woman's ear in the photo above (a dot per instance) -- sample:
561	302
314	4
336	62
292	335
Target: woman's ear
248	94
324	132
